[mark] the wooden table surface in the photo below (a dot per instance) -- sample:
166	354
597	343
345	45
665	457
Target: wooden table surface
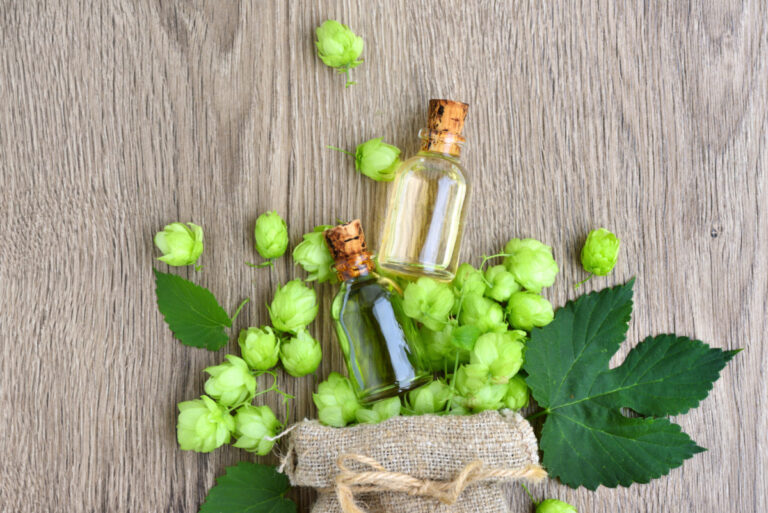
117	117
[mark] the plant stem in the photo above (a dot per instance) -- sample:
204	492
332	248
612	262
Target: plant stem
268	263
237	312
486	258
529	494
582	282
339	149
536	414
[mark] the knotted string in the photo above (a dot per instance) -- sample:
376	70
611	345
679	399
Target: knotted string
351	482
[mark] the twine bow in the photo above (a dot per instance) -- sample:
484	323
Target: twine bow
351	482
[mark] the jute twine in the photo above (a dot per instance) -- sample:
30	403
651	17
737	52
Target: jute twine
350	482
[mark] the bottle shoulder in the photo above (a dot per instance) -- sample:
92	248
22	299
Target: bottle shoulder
433	164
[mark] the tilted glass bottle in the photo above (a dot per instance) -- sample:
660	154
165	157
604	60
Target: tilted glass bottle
428	201
381	345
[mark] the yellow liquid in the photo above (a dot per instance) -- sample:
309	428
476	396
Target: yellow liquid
425	217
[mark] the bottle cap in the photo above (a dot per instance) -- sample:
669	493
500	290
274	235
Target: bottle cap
347	245
446	116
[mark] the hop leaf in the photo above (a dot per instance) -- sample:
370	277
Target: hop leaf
526	310
181	244
429	302
293	307
203	425
377	160
482	312
567	366
260	347
249	487
600	252
301	354
380	411
503	283
336	401
271	235
254	426
231	383
313	255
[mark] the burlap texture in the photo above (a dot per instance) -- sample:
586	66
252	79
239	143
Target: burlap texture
426	447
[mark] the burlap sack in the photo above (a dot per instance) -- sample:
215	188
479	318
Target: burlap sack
415	464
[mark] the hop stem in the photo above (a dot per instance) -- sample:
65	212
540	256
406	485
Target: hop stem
486	258
268	263
237	312
582	282
339	149
535	503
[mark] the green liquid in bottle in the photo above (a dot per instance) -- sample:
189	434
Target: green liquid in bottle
381	346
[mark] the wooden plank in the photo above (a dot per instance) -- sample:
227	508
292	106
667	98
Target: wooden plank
650	118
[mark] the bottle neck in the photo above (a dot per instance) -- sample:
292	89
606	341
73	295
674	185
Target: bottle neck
442	143
354	266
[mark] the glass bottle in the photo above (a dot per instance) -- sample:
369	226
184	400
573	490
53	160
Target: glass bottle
428	201
381	345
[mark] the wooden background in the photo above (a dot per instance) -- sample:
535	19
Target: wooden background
117	117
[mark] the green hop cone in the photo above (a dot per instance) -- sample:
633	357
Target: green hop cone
181	244
503	283
254	428
260	347
526	310
380	411
532	269
468	280
502	353
554	506
470	378
517	394
271	235
600	251
482	312
430	398
377	160
314	256
301	354
203	425
429	302
438	349
476	392
293	307
336	401
515	244
231	383
338	47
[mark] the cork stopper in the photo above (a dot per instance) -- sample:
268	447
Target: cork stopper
350	254
444	125
447	116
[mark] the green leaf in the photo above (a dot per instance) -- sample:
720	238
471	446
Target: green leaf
249	488
191	311
586	440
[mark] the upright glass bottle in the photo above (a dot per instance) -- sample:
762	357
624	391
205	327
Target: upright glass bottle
428	201
380	343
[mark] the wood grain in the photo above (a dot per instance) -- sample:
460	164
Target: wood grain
118	116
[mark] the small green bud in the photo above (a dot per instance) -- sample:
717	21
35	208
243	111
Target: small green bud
301	354
336	401
314	256
271	235
231	383
600	251
429	302
180	244
532	269
293	307
380	411
526	310
482	312
555	506
254	426
503	283
203	425
377	160
468	280
517	393
502	353
430	398
260	347
470	378
337	46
